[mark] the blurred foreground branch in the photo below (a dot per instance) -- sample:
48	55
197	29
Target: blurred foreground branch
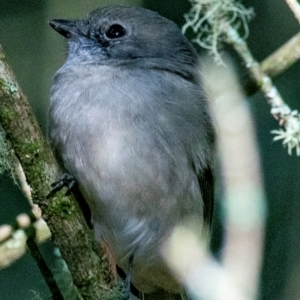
243	199
13	238
91	273
200	273
237	274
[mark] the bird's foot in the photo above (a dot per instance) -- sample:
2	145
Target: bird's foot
66	180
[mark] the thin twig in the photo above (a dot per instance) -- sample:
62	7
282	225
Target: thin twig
225	23
283	58
288	119
277	63
295	7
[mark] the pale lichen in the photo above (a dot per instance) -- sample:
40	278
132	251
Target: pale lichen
290	133
207	19
217	21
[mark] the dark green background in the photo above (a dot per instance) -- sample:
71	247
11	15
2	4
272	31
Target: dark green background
35	52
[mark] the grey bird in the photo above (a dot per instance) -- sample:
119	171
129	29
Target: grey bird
128	118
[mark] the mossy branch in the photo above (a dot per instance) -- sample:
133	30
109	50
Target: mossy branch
90	272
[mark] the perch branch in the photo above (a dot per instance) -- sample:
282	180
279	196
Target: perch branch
91	272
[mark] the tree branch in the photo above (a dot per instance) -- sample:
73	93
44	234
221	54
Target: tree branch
295	7
91	273
277	63
288	119
222	21
13	237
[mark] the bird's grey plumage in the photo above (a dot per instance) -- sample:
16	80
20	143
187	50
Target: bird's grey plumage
128	118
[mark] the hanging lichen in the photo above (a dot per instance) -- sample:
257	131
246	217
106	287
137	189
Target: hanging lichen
207	18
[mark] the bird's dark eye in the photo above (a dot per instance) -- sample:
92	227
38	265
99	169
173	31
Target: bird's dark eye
115	31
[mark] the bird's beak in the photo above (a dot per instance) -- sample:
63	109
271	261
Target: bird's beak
65	27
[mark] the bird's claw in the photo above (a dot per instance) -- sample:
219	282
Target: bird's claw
66	180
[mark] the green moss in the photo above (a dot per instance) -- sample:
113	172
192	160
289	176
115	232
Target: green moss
33	148
61	206
5	161
7	115
2	84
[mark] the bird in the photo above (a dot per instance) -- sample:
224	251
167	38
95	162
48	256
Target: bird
129	120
